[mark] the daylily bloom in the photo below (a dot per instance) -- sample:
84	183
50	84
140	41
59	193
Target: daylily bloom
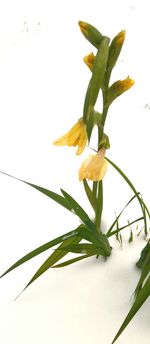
89	60
94	167
76	136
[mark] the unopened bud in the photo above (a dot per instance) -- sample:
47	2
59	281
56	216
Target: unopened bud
118	88
115	49
91	33
89	60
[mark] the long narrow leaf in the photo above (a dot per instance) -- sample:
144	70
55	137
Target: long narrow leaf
59	253
90	194
84	248
43	248
121	228
117	218
71	261
97	239
78	210
53	195
145	272
142	205
142	297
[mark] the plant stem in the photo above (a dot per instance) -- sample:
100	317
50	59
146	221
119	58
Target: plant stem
99	208
95	188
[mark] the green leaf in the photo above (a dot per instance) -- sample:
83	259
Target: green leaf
121	228
59	253
97	239
116	220
145	272
142	204
90	194
43	248
143	256
90	123
78	210
71	261
54	196
131	236
84	248
141	298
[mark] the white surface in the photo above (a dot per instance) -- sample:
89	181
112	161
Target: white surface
42	86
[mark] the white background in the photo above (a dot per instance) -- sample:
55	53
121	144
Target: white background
42	86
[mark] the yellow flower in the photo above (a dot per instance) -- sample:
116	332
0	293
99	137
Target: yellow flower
94	167
89	61
76	136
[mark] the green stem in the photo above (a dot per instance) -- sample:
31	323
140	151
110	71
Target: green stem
99	207
95	188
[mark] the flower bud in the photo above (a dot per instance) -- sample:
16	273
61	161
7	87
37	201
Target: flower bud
97	78
115	49
89	60
90	33
104	143
119	87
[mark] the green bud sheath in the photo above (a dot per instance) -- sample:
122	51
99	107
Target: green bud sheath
91	33
97	78
115	49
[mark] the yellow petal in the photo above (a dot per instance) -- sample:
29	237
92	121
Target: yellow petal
76	136
62	141
94	167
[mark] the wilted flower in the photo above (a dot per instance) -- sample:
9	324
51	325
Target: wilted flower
118	88
124	85
89	60
76	136
94	167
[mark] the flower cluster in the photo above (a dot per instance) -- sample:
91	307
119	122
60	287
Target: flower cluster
101	65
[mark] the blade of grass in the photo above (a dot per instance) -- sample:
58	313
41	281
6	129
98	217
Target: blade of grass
54	196
116	220
78	210
121	228
90	194
71	261
84	248
134	190
59	253
43	248
145	272
97	239
141	298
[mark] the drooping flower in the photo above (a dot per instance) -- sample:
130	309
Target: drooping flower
94	167
89	60
76	136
